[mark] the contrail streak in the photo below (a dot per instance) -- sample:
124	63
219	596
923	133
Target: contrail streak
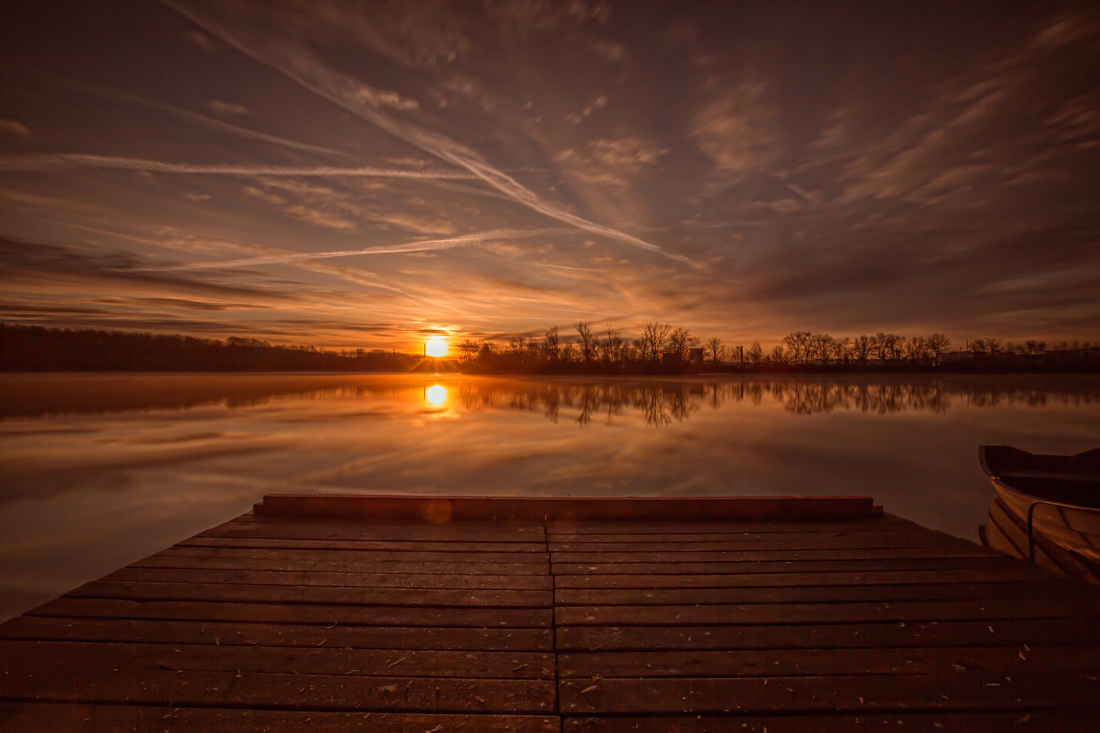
800	191
418	246
361	100
53	161
203	120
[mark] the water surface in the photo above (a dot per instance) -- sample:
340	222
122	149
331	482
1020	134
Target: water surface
97	471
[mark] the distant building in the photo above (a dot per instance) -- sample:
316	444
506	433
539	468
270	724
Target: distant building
955	356
695	356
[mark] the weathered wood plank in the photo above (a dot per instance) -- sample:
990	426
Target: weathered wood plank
1064	721
322	660
38	717
884	523
1011	660
614	508
1008	632
706	558
316	595
364	556
793	566
871	693
272	529
798	541
1052	591
380	545
277	690
344	580
852	536
336	563
277	635
295	614
1018	572
826	613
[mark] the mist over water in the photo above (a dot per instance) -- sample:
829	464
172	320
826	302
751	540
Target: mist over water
97	471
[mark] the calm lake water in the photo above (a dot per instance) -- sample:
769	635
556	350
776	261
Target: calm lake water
99	471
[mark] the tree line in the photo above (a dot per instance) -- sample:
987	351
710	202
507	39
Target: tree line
660	346
36	348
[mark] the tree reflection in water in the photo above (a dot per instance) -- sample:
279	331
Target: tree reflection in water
660	403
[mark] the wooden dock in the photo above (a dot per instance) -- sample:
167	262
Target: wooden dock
586	616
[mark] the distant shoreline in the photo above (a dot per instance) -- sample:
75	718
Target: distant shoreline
34	349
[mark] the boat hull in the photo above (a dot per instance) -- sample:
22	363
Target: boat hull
1075	529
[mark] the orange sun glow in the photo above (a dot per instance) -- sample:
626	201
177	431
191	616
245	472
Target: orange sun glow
436	348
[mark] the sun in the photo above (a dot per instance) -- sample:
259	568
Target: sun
436	348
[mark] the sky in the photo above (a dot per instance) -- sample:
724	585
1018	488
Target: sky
371	174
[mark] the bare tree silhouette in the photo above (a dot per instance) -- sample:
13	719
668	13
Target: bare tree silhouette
588	341
717	350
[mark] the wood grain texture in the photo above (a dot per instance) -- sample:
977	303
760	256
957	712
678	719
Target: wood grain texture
313	660
978	721
39	717
276	690
871	693
216	633
380	545
1002	573
365	556
977	562
297	614
305	579
1079	630
828	613
1053	591
1009	660
339	562
313	595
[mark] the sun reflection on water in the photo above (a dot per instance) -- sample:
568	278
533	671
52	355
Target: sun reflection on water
436	395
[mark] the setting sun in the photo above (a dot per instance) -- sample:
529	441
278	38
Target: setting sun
436	348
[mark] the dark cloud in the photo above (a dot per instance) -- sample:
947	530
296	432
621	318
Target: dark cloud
28	262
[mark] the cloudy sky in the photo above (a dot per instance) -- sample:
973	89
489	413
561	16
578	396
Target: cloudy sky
368	173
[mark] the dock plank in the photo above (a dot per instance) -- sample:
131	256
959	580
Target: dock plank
483	532
316	595
337	563
172	631
707	558
827	694
720	543
1004	573
1051	590
886	522
381	545
975	562
298	614
1073	630
276	690
37	717
365	556
854	612
1011	660
339	580
323	660
977	721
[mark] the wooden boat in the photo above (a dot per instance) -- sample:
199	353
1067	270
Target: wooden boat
1055	497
